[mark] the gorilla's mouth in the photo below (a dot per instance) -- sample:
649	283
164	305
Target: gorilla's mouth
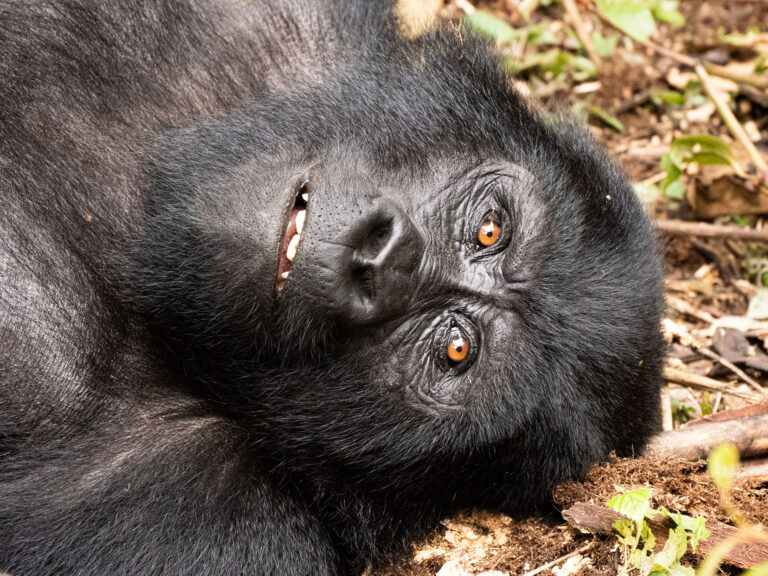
292	236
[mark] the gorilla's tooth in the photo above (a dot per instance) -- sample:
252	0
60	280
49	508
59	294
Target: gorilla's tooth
305	196
284	275
292	247
300	217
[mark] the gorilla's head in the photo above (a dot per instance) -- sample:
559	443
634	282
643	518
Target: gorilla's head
404	261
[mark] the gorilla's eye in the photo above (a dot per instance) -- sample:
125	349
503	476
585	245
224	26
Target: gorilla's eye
490	229
458	346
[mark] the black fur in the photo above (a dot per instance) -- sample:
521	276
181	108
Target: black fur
165	410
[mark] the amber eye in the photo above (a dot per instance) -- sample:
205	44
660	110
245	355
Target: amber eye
458	347
489	231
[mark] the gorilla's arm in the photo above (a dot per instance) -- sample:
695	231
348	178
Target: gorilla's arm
166	491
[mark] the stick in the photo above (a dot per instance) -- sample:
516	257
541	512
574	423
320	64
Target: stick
703	383
733	124
581	31
560	560
704	230
712	355
684	308
754	470
756	80
734	414
749	435
747	553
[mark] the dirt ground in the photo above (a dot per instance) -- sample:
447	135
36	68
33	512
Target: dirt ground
487	542
706	274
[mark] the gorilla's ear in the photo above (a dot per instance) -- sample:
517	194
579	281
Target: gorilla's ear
416	16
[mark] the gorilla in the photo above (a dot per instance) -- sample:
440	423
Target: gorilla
283	287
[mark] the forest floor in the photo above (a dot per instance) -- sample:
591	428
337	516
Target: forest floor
642	103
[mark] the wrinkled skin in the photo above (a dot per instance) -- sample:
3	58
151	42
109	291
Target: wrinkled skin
167	409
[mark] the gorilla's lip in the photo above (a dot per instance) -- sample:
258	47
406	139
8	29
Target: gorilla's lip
292	236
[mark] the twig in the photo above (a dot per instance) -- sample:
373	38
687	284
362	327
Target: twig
581	31
712	355
684	308
755	80
697	382
705	230
655	179
671	54
718	400
733	124
560	560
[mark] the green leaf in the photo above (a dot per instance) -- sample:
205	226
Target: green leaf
761	65
626	530
675	190
635	505
673	173
761	570
746	39
678	569
582	68
673	550
649	540
601	114
555	62
701	148
632	16
641	560
540	34
491	27
697	531
666	10
741	220
552	60
604	45
660	97
723	464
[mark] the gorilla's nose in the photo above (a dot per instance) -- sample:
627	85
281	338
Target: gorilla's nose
383	260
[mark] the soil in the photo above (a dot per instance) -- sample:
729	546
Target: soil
484	541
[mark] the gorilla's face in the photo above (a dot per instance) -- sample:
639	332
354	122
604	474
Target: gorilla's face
426	277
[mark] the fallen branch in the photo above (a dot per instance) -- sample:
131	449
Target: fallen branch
754	470
734	414
705	230
697	382
749	435
747	553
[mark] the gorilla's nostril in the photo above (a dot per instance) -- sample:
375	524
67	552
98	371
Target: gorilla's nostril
376	240
383	250
362	277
